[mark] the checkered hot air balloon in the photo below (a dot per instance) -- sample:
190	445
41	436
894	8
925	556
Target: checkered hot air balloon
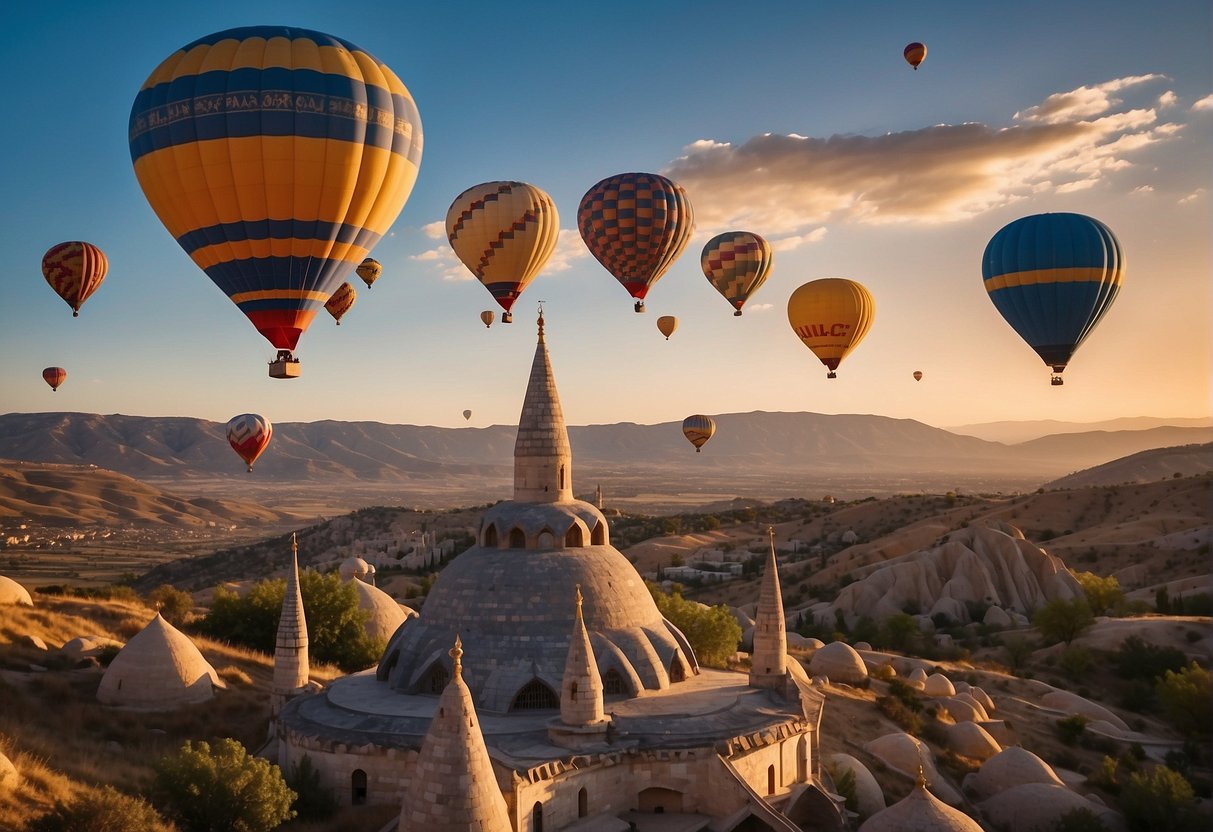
249	435
736	263
636	225
277	158
74	270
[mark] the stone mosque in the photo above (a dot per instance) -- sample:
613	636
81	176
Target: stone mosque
541	689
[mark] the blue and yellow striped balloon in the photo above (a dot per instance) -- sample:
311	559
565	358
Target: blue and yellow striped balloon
277	157
1053	277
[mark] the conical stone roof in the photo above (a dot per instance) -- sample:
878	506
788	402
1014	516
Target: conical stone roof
158	669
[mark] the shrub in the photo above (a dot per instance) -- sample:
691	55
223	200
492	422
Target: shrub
314	803
1062	620
172	603
844	785
713	632
1076	661
1184	697
1079	820
1071	728
223	789
1159	799
906	719
905	694
1138	659
107	810
1103	594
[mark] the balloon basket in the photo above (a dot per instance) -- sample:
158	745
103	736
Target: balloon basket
507	318
1057	381
737	314
831	374
284	368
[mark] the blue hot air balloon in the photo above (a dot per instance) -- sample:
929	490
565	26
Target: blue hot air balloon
1053	277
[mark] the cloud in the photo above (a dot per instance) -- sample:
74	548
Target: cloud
435	230
1144	189
1167	99
1203	105
783	185
759	307
795	242
1192	197
569	248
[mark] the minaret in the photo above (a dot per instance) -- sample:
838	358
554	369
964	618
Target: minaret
290	645
768	661
598	497
581	690
543	459
453	788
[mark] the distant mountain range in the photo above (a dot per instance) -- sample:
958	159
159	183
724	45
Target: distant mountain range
755	453
1013	432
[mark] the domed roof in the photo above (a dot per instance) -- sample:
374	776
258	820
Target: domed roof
12	592
385	614
1036	806
920	811
971	740
1013	766
158	669
938	685
839	661
353	567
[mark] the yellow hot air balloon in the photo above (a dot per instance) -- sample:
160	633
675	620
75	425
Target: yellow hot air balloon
341	301
369	270
736	263
487	317
666	325
831	316
504	232
698	429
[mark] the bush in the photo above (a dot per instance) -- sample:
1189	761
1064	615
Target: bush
1159	799
108	810
1079	820
1184	697
844	785
713	633
172	603
314	803
1076	661
223	789
905	694
1062	620
1104	595
1071	728
1138	659
896	711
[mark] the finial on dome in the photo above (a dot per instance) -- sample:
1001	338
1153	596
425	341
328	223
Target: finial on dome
294	545
921	780
456	654
541	320
579	600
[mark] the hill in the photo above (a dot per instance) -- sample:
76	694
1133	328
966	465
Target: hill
1147	466
1015	432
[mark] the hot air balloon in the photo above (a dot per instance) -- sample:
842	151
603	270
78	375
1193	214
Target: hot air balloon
341	301
54	376
636	225
666	325
504	232
487	317
467	415
369	270
249	435
918	375
698	430
831	316
736	263
914	54
276	157
1053	277
74	270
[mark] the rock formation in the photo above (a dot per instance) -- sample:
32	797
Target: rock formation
839	662
12	592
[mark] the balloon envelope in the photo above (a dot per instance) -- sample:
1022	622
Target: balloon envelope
915	53
467	414
698	429
918	375
74	270
736	263
1053	277
636	225
487	317
341	301
249	435
276	157
504	233
54	376
666	325
831	316
369	270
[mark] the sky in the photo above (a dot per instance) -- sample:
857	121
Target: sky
796	120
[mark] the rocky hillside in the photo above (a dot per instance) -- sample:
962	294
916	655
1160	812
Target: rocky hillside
1147	466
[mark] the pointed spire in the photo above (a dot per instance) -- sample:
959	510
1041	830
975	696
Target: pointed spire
768	661
581	689
290	646
543	458
453	787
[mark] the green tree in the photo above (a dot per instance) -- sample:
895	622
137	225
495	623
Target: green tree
1159	799
1017	651
222	789
107	810
1104	595
1184	697
1062	620
899	632
315	803
174	604
713	632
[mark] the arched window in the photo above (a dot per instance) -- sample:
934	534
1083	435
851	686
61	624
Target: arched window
598	535
490	536
435	679
574	538
546	539
561	477
535	696
583	804
517	538
358	787
573	691
537	817
802	760
612	683
770	779
678	672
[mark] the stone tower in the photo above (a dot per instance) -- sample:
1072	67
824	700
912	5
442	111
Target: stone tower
543	458
582	715
598	497
453	788
290	647
768	661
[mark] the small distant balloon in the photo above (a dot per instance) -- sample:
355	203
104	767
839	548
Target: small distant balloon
249	435
918	375
915	53
666	325
74	270
341	301
369	270
698	429
487	317
54	376
831	316
467	414
736	263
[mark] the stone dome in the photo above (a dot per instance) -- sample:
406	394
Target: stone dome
971	740
1013	766
354	567
1037	806
158	669
386	615
920	811
12	592
839	661
938	685
867	791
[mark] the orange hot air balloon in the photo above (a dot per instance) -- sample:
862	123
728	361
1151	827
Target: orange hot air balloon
918	375
54	376
666	325
698	429
636	225
487	317
341	301
915	53
369	270
74	270
249	435
831	316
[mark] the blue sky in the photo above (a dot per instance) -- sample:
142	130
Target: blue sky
871	171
